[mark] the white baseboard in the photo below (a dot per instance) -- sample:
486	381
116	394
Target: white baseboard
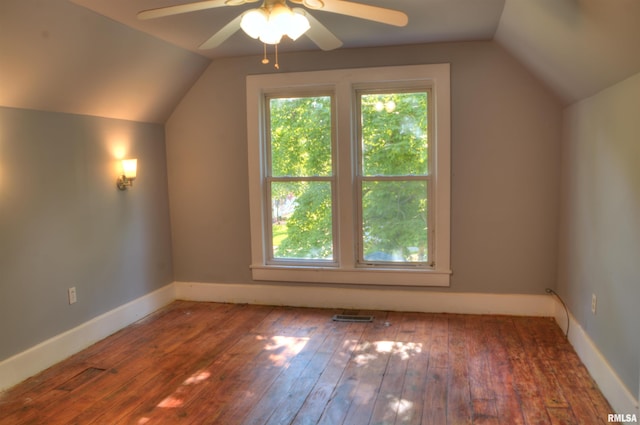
621	399
23	365
371	299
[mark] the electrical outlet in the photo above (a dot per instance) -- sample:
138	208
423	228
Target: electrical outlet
73	297
594	303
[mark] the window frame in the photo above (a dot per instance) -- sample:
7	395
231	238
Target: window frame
361	178
270	178
344	84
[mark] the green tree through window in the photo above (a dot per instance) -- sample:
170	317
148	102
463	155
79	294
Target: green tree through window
394	183
301	171
393	186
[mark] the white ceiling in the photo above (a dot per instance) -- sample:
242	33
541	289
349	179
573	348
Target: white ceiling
65	56
429	21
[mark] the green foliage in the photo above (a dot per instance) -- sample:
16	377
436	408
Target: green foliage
279	233
301	147
394	143
394	134
394	215
300	136
309	229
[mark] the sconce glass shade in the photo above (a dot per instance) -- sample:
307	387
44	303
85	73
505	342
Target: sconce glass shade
129	173
130	168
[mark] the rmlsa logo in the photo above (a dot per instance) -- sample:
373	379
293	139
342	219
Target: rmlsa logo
622	418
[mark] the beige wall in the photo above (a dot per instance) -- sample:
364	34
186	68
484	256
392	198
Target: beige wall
600	222
505	148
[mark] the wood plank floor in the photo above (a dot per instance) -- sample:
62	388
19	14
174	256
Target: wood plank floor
207	363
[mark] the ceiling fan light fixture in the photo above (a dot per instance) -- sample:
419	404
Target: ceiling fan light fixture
298	21
280	13
280	20
254	22
297	25
271	34
270	24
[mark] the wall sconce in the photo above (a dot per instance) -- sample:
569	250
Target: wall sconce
129	168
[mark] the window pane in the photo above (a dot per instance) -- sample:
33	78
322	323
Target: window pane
394	215
300	136
302	220
394	134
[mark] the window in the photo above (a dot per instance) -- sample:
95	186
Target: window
393	177
349	176
300	179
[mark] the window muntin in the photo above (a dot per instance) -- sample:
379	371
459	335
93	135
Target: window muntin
393	177
300	178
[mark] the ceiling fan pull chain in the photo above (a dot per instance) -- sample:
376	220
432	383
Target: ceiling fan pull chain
276	65
265	60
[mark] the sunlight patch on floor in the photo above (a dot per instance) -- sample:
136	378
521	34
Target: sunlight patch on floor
174	400
279	350
284	348
369	351
399	405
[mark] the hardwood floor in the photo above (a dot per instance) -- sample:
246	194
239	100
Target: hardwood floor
206	363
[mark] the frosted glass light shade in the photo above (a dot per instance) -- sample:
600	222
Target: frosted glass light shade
130	168
254	22
298	25
270	25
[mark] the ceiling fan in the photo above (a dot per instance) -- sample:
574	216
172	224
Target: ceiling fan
275	19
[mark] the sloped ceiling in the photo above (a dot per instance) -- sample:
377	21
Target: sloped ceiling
93	57
578	47
56	56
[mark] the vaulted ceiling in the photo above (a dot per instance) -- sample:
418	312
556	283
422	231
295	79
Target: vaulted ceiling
429	21
578	47
94	57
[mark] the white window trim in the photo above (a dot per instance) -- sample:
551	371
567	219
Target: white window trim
343	83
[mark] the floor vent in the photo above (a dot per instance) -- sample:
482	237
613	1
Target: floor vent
352	318
81	379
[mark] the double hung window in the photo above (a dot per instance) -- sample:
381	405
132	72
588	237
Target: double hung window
392	177
349	176
300	179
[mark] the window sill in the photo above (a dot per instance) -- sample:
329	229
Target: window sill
360	276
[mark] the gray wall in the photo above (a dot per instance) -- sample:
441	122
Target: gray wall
505	148
63	222
600	223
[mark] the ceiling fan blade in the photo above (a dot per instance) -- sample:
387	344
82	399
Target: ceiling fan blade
318	33
181	8
223	34
365	11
